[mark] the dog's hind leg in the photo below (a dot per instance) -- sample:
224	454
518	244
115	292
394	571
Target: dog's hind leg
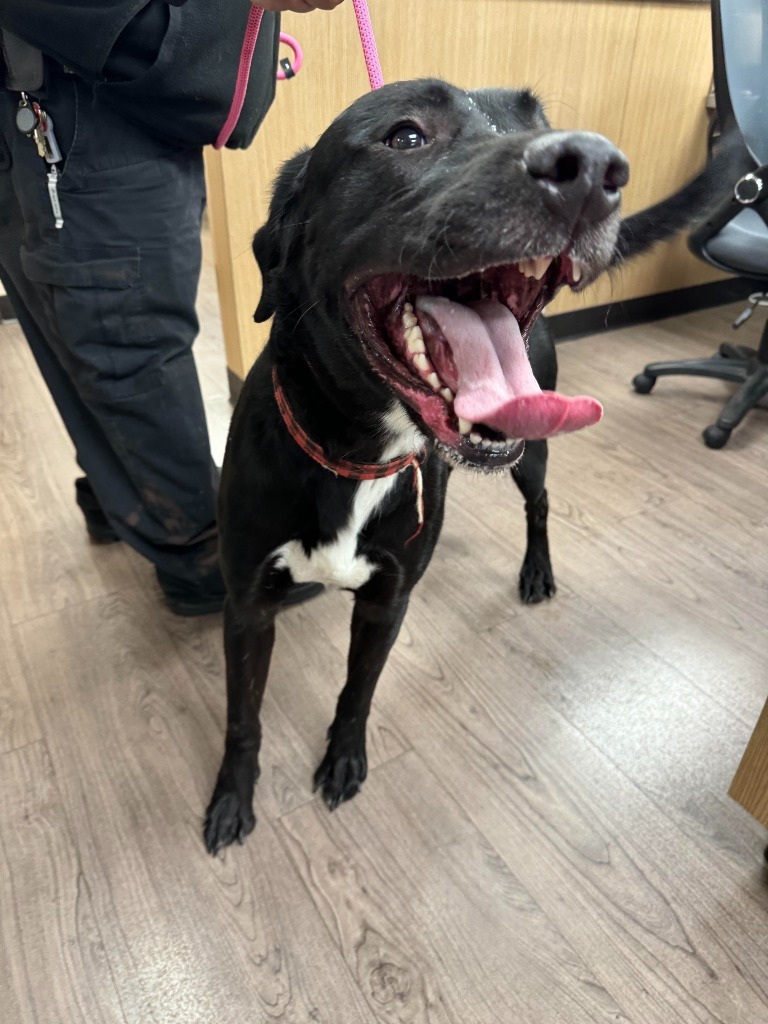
536	579
248	648
376	621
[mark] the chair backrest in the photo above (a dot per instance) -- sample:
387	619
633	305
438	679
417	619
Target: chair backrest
740	46
734	235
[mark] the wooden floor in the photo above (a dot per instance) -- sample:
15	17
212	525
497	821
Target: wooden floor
544	837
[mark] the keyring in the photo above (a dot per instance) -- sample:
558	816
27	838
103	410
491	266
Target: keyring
298	57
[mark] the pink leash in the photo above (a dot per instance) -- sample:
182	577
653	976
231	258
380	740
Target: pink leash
372	63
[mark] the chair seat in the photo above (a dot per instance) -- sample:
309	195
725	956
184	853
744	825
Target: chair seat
741	245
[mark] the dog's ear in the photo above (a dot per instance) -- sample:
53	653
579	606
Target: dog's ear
272	243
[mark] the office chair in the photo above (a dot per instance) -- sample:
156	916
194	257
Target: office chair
735	236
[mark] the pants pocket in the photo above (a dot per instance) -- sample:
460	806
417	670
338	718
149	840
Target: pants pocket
95	300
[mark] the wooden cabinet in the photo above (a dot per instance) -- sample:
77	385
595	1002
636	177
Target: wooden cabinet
750	784
637	71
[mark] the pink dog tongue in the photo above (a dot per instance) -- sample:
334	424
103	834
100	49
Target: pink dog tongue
496	383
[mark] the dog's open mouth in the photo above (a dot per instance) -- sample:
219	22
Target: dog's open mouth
455	350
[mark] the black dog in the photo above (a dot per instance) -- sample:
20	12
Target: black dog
405	260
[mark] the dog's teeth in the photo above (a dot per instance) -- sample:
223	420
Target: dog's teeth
408	307
421	362
434	381
415	341
535	267
575	271
447	394
486	443
409	320
475	438
540	267
464	426
509	441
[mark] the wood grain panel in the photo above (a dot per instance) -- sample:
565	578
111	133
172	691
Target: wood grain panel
47	560
637	72
135	767
750	784
663	132
18	721
465	943
52	961
547	797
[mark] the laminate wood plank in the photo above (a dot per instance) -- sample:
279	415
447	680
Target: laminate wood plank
18	720
47	560
199	939
464	941
667	931
53	966
750	783
672	603
675	742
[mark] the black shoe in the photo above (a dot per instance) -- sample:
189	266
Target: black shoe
189	599
192	597
301	592
96	523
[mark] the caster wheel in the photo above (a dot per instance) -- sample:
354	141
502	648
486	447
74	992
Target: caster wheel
643	383
715	437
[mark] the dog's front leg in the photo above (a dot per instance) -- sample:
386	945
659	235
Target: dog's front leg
376	621
536	578
248	648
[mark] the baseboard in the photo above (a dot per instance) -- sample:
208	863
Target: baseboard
566	326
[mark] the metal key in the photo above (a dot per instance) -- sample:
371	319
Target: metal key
39	140
52	153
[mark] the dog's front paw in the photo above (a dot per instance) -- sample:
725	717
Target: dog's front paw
536	579
341	773
229	817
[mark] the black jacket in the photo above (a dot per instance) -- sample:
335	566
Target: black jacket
170	65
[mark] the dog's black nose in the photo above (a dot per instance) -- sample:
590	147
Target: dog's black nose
580	174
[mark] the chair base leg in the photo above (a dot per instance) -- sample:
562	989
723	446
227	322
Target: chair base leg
749	394
718	367
736	363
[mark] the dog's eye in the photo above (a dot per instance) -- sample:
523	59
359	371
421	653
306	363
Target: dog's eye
407	136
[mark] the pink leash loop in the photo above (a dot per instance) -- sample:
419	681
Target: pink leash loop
243	74
372	63
298	56
371	54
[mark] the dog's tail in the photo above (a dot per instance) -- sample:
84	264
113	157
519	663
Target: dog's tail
661	221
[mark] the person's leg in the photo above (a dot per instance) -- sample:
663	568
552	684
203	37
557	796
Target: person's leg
107	304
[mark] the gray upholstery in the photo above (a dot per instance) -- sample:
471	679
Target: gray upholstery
741	245
745	51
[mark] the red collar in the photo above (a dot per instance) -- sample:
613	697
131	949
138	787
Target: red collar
345	468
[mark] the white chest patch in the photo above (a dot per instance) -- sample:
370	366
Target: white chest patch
337	564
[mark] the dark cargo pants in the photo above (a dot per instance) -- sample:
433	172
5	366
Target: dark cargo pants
108	306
